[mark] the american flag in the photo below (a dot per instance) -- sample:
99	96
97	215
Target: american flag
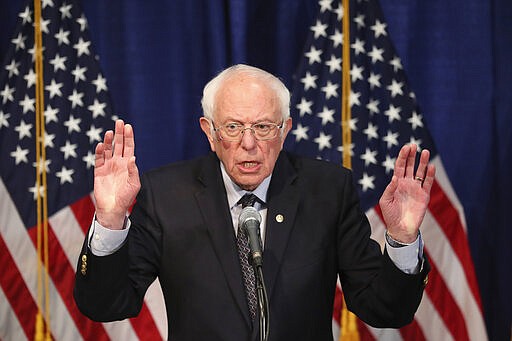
77	112
384	116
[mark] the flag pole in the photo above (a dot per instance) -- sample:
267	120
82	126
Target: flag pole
348	321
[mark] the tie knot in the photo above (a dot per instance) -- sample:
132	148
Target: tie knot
247	200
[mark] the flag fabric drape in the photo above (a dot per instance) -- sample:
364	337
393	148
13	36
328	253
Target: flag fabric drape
77	112
157	56
385	116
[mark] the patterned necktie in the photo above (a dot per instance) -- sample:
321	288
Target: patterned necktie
243	254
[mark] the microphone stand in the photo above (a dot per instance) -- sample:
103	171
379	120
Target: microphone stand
264	316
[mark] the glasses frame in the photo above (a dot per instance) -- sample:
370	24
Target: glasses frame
242	130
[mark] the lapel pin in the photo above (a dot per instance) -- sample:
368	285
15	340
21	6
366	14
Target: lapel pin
279	218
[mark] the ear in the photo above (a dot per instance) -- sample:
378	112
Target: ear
286	130
205	127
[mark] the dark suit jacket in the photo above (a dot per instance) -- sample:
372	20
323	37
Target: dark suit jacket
182	232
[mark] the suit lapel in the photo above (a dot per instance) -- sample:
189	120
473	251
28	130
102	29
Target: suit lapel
282	200
214	208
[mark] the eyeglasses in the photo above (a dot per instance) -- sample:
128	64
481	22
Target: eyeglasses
262	131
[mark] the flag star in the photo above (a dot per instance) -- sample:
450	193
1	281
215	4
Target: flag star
65	11
339	12
396	63
65	175
359	20
69	150
325	5
376	54
416	120
319	29
304	107
89	159
358	47
47	3
330	90
28	104
32	52
369	157
323	141
415	141
337	38
7	94
34	191
73	124
62	36
50	114
20	155
19	41
374	80
82	21
13	68
44	25
79	73
356	73
309	81
373	106
76	99
366	182
4	119
26	15
350	148
391	139
48	140
334	64
54	89
393	113
371	131
353	123
326	115
389	164
58	63
30	77
313	55
97	108
94	134
82	47
353	98
301	133
23	130
395	88
379	28
101	83
43	164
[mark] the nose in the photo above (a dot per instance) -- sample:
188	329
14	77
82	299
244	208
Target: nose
248	139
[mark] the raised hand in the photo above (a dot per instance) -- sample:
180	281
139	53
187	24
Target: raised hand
116	177
405	199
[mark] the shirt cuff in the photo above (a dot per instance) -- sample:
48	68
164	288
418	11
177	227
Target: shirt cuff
104	241
406	257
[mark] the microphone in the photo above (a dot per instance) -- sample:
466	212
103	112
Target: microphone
249	221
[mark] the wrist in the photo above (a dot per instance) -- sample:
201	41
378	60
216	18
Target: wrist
113	221
396	240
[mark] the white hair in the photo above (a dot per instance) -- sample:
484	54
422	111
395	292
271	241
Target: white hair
212	87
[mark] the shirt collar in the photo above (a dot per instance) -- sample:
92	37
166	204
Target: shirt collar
234	192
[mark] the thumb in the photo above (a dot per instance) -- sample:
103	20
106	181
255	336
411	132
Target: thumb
389	192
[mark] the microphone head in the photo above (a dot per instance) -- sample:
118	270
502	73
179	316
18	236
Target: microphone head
249	213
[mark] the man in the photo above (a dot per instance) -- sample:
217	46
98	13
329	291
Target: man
183	227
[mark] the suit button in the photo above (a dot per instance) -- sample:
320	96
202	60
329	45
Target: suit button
83	267
425	280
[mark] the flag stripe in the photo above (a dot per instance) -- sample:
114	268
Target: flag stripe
16	292
10	327
432	325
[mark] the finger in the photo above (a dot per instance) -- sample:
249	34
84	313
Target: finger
421	171
411	160
429	178
107	144
119	138
388	194
133	171
401	161
129	141
99	157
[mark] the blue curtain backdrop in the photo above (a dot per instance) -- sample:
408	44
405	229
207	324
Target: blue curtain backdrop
157	55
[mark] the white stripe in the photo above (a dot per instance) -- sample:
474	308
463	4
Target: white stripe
452	272
155	301
430	322
24	254
10	328
443	181
335	330
378	227
71	237
385	334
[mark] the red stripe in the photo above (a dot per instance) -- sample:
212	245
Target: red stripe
364	332
144	325
445	304
412	332
63	275
338	305
448	219
16	291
